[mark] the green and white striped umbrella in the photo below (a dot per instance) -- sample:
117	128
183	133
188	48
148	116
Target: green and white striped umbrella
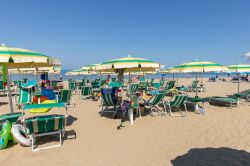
239	68
78	72
199	67
91	67
128	64
11	57
22	58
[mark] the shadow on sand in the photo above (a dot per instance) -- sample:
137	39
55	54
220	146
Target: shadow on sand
213	157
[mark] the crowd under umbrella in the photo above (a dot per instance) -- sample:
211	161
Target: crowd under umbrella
239	69
12	58
198	67
128	65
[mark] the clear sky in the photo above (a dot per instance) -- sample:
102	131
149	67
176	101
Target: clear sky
80	32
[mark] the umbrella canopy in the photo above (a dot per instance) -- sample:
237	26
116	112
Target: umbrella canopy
91	67
128	64
239	68
199	67
78	72
11	57
22	58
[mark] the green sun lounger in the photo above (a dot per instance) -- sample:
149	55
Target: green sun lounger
179	100
223	101
45	125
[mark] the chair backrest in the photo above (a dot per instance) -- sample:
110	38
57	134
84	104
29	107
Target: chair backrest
115	84
44	124
142	79
170	85
162	82
86	90
1	85
65	95
135	101
179	100
72	85
25	96
156	99
108	96
133	88
157	85
194	83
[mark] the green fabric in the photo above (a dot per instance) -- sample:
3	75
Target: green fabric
133	88
43	124
178	101
43	105
65	95
1	85
156	99
115	84
86	90
107	99
72	85
25	96
4	73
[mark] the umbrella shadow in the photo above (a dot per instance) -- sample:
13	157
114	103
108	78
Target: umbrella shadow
213	157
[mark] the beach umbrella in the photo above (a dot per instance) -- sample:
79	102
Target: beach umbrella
128	64
11	57
239	68
198	67
78	72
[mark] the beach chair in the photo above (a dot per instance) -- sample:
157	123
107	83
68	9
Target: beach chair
45	125
156	85
2	89
25	96
223	101
154	101
133	88
115	84
170	85
85	92
109	100
179	100
162	82
65	96
72	85
243	95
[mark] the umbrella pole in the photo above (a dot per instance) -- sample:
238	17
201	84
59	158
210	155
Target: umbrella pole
196	78
238	83
9	93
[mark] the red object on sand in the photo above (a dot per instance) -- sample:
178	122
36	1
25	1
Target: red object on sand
42	98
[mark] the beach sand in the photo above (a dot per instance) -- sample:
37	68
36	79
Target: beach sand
221	137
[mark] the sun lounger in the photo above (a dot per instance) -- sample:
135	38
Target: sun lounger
45	125
223	101
179	100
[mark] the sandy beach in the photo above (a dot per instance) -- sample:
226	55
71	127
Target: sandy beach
220	137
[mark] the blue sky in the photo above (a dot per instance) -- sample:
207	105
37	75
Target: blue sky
81	32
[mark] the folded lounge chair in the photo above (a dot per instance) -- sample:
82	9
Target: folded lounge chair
45	125
133	88
66	97
224	101
85	92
